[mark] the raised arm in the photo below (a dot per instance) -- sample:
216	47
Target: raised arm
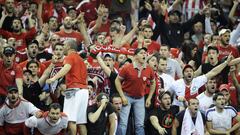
45	75
39	13
219	68
198	72
233	11
83	29
99	18
105	68
94	116
129	36
4	15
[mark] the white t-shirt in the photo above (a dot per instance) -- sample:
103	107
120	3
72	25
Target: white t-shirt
167	80
179	86
45	126
204	101
18	114
221	121
174	68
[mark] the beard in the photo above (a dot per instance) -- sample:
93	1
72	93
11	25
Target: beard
68	27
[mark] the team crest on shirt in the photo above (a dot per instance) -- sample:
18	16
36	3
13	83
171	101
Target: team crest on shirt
12	73
194	90
144	78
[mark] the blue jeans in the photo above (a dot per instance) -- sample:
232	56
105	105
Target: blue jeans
139	115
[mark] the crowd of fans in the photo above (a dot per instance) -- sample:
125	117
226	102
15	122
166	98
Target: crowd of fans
119	67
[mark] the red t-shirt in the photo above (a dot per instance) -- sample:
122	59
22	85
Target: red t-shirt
20	56
151	48
77	76
20	38
225	51
73	35
132	84
8	76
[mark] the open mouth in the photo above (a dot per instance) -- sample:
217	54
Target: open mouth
196	109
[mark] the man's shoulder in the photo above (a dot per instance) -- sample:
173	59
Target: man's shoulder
210	110
200	96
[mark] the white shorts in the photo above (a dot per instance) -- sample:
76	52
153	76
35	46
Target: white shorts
76	106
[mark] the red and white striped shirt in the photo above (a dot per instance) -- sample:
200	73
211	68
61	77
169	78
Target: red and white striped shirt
192	7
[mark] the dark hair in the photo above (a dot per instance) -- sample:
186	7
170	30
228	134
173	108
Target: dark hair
115	95
187	48
55	106
191	99
27	71
51	18
212	48
157	55
161	94
112	29
162	58
31	62
19	19
147	26
216	95
57	44
141	20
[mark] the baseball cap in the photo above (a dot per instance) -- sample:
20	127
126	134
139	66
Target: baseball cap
109	55
11	88
224	87
34	42
187	66
178	13
223	31
102	96
8	50
139	49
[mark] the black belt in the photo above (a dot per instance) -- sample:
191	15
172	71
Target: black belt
133	96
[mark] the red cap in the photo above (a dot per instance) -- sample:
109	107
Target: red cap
187	66
224	87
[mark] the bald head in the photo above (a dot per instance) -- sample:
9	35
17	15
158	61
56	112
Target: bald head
72	44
